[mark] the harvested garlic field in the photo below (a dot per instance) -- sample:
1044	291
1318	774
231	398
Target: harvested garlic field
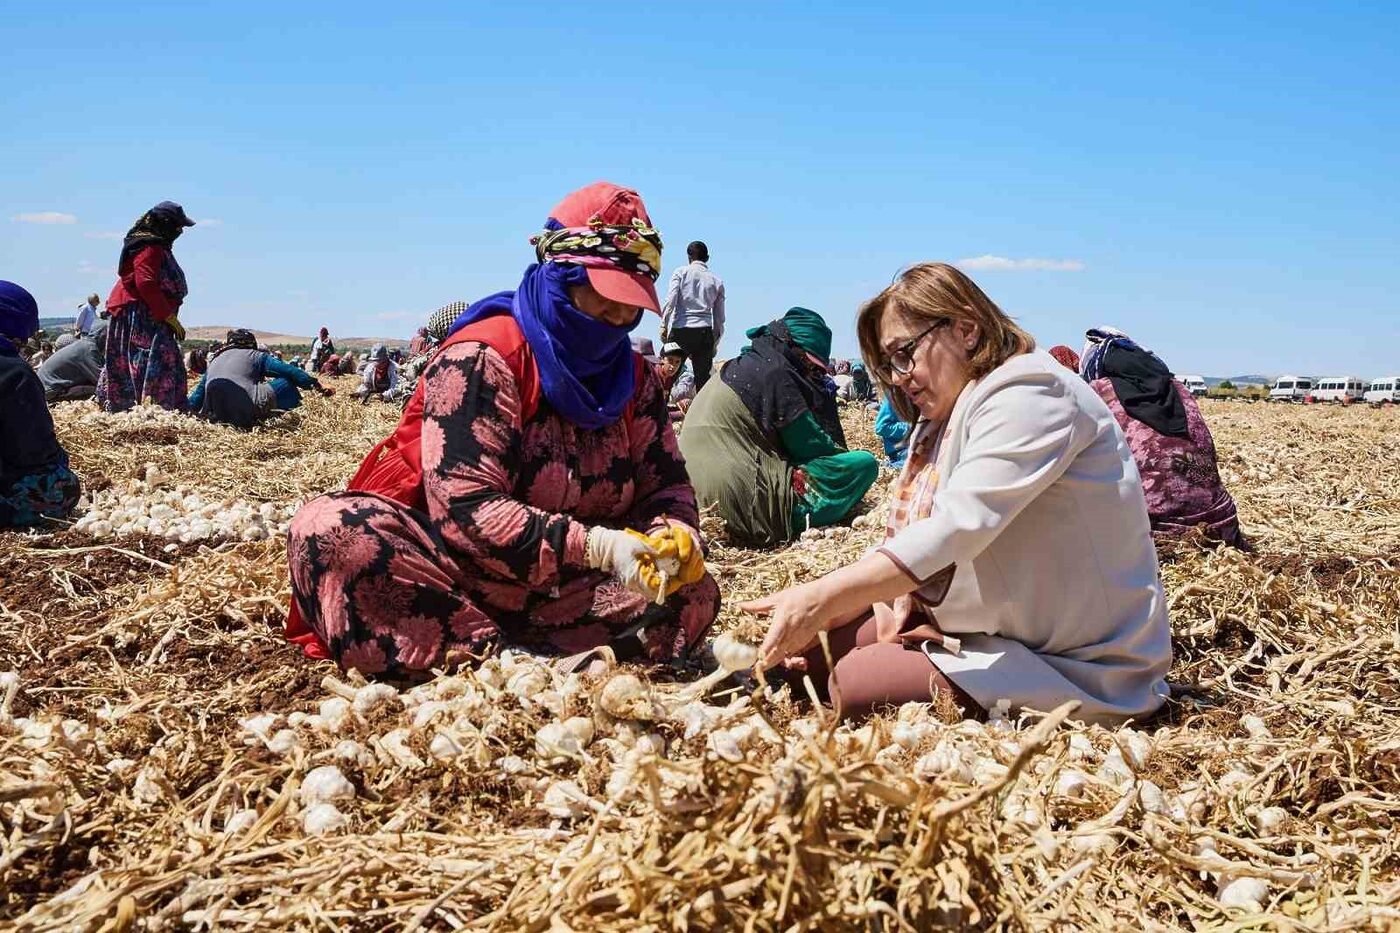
167	761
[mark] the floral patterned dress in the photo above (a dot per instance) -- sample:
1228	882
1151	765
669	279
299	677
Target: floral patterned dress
1180	476
498	555
143	356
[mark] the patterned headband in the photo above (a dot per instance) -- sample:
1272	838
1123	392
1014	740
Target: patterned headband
634	249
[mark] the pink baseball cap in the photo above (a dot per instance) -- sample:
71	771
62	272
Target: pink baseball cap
613	205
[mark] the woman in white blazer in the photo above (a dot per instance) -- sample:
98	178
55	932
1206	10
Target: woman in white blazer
1018	563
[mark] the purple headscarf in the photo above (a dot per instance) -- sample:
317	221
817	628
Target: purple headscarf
586	368
19	312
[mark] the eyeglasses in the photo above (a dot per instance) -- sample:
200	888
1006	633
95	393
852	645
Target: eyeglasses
901	358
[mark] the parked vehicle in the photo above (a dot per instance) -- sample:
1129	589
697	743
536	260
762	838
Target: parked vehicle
1339	389
1194	384
1384	389
1291	388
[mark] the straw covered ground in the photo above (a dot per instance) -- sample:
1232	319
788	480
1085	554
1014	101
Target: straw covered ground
167	761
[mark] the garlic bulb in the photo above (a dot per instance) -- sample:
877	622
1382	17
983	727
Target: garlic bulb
1269	819
733	655
1254	726
1070	783
326	784
512	764
443	747
1243	893
352	752
554	742
1136	748
321	819
395	745
724	744
240	820
581	728
696	717
626	697
565	800
372	696
1152	798
1081	749
333	716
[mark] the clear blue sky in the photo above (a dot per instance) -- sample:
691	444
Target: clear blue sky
1219	180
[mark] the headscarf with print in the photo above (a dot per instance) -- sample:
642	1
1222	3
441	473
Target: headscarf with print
1142	382
778	380
160	225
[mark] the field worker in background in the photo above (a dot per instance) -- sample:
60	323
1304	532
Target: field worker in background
379	377
331	366
893	432
694	312
1171	443
321	349
676	379
143	358
1018	561
71	373
764	441
245	385
531	486
349	365
87	316
35	481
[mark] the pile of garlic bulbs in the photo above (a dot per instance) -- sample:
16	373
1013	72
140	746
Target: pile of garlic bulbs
149	506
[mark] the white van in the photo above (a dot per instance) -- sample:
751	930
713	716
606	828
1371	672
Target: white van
1339	389
1194	384
1291	388
1384	389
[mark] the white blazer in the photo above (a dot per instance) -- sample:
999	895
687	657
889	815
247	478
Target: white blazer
1056	594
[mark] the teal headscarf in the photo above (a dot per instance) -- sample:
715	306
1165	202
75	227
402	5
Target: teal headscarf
806	328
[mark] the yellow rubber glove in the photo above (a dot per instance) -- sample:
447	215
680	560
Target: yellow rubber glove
176	327
676	548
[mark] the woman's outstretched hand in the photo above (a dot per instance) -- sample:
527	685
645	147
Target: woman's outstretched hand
796	616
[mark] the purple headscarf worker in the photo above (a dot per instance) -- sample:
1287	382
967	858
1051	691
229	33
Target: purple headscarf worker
35	482
533	492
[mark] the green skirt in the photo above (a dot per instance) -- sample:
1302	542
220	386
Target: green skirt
835	486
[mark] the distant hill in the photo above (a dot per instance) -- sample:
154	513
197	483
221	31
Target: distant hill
270	339
1254	380
57	323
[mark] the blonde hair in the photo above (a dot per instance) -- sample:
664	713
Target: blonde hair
924	294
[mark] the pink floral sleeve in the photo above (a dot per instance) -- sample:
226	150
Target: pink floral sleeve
471	455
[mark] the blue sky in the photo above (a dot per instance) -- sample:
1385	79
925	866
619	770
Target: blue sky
1218	180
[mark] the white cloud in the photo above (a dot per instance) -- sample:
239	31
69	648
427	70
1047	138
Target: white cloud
91	268
103	235
1002	263
46	217
209	222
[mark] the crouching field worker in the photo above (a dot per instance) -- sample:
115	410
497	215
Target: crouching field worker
243	385
1170	441
71	373
764	440
532	486
1018	562
379	377
35	481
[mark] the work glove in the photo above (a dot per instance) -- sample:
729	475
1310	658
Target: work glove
176	327
621	553
678	553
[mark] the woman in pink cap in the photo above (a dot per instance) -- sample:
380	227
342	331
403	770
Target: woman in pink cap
533	487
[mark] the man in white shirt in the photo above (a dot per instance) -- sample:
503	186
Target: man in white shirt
693	315
87	316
